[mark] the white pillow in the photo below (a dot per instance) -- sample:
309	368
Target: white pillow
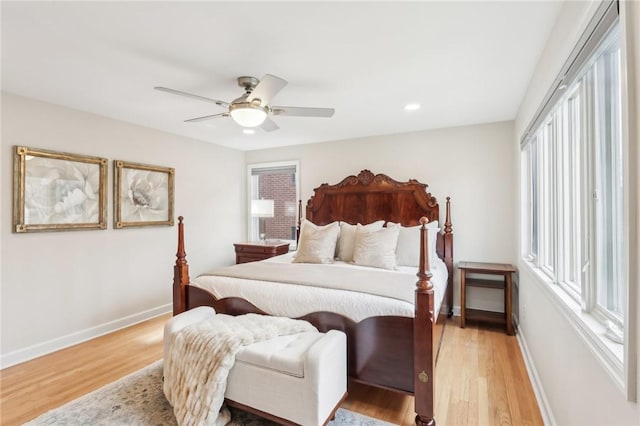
376	248
408	250
347	238
317	244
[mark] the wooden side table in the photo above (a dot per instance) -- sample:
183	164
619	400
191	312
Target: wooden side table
254	251
481	268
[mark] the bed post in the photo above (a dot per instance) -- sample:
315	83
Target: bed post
180	273
299	221
448	257
423	323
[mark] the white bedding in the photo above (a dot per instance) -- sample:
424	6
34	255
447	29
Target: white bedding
295	300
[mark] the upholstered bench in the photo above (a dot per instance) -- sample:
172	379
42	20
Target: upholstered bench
294	379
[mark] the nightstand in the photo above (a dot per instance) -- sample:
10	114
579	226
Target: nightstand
472	274
251	252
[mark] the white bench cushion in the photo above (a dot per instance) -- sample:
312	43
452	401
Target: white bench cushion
300	378
284	354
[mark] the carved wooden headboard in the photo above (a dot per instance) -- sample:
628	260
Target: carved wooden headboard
367	197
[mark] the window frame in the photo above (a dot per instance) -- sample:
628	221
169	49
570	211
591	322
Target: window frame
253	222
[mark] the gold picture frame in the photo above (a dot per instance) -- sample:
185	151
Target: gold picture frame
58	191
142	194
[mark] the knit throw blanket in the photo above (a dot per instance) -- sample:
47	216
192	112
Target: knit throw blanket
201	356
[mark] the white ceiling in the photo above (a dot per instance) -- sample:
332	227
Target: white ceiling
464	62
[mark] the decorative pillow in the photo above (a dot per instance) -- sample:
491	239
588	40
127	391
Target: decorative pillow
347	239
408	250
376	248
317	244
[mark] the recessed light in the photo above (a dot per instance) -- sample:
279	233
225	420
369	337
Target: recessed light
411	107
248	131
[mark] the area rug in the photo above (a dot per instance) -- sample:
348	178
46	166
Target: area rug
137	399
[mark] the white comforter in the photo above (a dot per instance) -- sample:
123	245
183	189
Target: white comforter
356	299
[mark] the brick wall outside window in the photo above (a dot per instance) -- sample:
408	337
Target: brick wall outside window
280	188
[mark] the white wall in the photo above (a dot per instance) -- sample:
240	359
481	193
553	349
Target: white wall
473	165
577	388
62	287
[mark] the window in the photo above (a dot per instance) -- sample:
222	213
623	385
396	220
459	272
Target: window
273	201
573	188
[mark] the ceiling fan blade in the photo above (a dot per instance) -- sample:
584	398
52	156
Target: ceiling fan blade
268	125
189	95
268	87
302	111
206	117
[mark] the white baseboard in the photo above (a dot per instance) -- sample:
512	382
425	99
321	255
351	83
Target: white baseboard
541	397
34	351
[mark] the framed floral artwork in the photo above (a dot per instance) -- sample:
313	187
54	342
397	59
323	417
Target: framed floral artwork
143	195
57	191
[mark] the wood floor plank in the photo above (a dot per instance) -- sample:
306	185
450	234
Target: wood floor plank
444	374
483	402
529	412
480	378
510	382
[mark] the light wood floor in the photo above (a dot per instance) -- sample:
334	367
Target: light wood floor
480	378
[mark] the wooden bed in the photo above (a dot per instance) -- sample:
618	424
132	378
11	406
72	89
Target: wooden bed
391	352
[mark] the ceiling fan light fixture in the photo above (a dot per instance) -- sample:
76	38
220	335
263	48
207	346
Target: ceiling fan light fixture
253	108
247	114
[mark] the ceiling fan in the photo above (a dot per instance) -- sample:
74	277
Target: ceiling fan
252	109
